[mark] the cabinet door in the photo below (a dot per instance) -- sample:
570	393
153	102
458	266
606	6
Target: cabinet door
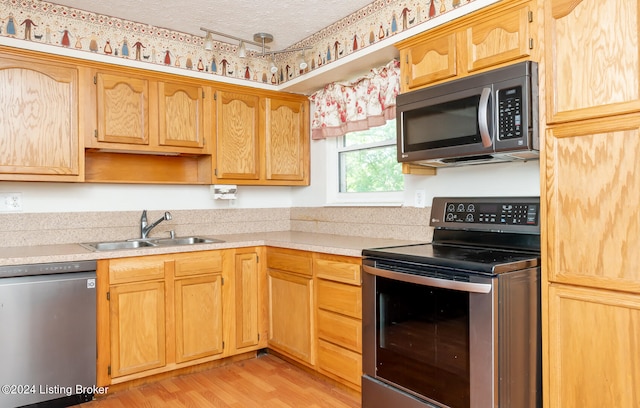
593	190
593	58
594	348
137	324
291	315
38	119
238	139
248	300
181	115
198	312
287	143
432	60
123	109
501	38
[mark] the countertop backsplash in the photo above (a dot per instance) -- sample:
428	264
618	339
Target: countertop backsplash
27	229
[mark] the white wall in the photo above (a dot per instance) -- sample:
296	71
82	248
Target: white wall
70	197
517	179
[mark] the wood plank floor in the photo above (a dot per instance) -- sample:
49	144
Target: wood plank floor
262	382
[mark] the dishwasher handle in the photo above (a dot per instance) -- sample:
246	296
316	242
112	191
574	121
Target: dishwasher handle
472	287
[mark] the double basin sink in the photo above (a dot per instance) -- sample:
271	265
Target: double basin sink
144	243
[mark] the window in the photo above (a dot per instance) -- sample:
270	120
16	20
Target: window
364	167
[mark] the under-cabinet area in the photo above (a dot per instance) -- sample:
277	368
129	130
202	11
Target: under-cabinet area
86	121
165	313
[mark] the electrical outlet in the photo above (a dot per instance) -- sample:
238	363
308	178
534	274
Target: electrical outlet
420	198
10	202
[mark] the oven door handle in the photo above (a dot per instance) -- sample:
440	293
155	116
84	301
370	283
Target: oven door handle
427	281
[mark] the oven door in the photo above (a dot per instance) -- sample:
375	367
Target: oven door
428	341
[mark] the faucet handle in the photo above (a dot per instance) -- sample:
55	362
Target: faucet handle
143	217
172	234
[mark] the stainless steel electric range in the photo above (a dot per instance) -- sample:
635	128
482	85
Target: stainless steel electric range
456	322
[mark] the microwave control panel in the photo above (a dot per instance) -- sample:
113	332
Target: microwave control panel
492	213
510	113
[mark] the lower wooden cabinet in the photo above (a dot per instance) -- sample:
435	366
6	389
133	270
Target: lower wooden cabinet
339	318
198	317
158	313
249	300
291	314
137	326
593	347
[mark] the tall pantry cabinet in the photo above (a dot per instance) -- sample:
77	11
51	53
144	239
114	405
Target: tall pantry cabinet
591	196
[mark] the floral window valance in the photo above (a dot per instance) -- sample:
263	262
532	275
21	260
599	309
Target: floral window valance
358	105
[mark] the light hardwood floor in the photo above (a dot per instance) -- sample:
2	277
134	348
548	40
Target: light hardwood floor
262	382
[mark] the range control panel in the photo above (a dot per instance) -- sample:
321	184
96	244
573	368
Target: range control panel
486	213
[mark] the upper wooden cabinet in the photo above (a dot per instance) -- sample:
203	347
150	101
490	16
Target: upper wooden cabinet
138	112
182	116
262	138
38	119
491	37
237	136
594	58
286	141
140	127
122	109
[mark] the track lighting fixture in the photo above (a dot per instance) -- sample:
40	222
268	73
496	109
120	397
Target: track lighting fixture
259	39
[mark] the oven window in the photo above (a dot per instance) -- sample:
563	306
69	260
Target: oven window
423	340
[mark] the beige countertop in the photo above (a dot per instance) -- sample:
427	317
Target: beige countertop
326	243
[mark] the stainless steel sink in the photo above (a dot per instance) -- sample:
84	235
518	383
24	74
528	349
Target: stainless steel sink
142	243
185	241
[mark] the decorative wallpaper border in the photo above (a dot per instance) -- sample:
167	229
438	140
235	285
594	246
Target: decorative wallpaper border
56	25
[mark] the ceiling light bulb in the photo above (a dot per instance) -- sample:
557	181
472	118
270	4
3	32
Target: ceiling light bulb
273	68
208	42
301	62
242	50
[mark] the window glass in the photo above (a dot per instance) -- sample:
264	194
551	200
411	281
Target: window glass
367	161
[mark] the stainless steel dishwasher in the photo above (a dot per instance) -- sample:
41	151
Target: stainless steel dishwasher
47	334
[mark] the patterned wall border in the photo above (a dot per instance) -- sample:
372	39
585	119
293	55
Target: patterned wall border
48	23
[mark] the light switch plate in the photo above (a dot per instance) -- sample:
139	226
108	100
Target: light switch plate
420	199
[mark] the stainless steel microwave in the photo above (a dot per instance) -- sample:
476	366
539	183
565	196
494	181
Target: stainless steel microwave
488	117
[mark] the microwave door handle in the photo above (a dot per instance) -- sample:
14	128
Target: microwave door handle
483	124
427	281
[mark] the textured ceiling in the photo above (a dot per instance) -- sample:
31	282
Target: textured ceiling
288	21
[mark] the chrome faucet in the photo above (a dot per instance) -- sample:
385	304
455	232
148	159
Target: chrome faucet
146	229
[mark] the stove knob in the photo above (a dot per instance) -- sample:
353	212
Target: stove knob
469	218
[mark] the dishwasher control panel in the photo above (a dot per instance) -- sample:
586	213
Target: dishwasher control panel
10	271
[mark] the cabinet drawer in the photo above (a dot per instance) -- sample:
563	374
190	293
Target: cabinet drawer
198	263
340	298
345	270
290	260
340	362
341	330
126	270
